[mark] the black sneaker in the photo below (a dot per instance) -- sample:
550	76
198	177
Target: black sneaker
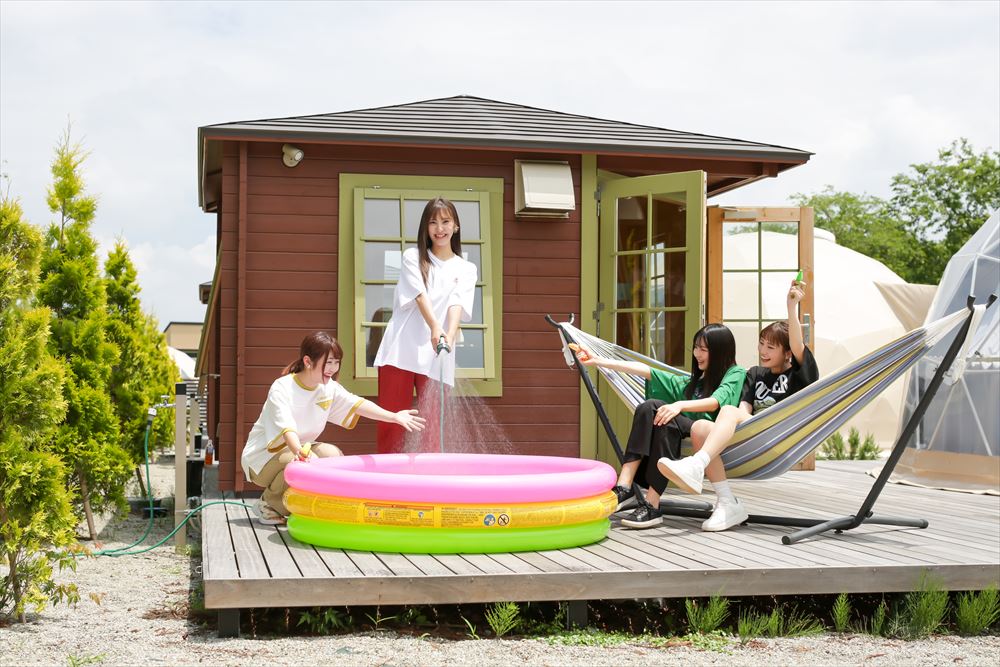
626	497
646	516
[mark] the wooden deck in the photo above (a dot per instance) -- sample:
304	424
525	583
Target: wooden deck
249	565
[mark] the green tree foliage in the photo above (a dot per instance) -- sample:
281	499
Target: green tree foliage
71	286
36	518
144	370
934	208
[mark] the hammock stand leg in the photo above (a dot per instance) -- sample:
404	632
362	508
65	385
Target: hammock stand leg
864	514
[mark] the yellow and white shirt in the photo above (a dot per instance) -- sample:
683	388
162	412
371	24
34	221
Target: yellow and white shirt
292	406
406	342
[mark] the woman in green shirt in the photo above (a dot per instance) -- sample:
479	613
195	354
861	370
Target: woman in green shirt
673	403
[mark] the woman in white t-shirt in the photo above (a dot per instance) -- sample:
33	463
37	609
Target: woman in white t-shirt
299	405
435	291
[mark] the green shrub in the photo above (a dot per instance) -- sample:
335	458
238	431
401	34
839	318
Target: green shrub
324	620
923	611
841	613
708	618
750	626
977	611
835	449
503	617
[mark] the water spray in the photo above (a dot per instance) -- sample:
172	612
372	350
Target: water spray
442	346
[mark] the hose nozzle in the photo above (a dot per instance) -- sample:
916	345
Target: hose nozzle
443	345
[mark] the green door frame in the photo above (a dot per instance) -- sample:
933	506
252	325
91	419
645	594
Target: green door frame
610	188
692	185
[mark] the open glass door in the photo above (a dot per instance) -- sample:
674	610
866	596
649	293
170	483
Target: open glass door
651	281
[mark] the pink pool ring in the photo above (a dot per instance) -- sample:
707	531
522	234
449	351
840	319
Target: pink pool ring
453	478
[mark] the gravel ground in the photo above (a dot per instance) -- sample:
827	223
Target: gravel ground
134	611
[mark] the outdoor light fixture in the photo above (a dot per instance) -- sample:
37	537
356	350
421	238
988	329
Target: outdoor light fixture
291	155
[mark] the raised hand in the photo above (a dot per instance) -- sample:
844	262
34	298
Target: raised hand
409	420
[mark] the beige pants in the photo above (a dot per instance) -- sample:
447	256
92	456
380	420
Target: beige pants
272	475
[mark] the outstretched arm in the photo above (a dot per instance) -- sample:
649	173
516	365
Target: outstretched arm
795	341
588	359
408	419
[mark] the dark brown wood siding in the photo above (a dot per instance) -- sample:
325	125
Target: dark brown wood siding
290	288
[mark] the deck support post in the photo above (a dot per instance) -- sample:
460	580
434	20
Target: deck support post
576	614
229	623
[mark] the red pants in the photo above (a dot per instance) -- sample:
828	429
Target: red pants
395	393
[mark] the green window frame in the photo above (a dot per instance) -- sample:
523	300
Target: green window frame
357	191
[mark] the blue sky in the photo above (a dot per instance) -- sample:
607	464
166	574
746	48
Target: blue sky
869	87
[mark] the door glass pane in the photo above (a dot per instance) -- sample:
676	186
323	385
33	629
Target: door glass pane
739	296
382	217
631	282
632	216
373	338
739	245
775	286
667	279
382	261
378	302
412	210
469	352
666	338
468	216
473	252
629	331
477	307
669	224
779	246
746	334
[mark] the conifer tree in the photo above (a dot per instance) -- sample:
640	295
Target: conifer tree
144	370
36	518
88	440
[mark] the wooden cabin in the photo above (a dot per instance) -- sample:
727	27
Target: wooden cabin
562	213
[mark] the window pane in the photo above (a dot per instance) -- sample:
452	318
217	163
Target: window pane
667	279
373	338
382	217
473	252
739	296
739	245
746	334
412	210
775	286
382	261
629	332
666	338
779	246
469	352
669	224
378	302
631	282
477	307
468	216
631	223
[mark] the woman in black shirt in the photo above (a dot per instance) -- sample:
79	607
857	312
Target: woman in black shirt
786	366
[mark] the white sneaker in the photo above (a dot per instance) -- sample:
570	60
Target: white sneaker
688	473
267	515
728	513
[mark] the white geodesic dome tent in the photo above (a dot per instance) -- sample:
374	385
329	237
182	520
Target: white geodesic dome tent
852	317
957	444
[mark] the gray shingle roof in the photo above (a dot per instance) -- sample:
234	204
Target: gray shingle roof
475	121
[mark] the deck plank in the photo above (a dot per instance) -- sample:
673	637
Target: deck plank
249	558
308	561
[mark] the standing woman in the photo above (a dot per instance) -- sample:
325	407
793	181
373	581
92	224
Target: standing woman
435	291
299	405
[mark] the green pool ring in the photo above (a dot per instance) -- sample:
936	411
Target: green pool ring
416	540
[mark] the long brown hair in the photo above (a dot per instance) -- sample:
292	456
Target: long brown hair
317	346
776	333
424	239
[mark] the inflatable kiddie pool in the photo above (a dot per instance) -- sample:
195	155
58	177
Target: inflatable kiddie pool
449	503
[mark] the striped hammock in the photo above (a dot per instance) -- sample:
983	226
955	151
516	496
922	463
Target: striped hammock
772	441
